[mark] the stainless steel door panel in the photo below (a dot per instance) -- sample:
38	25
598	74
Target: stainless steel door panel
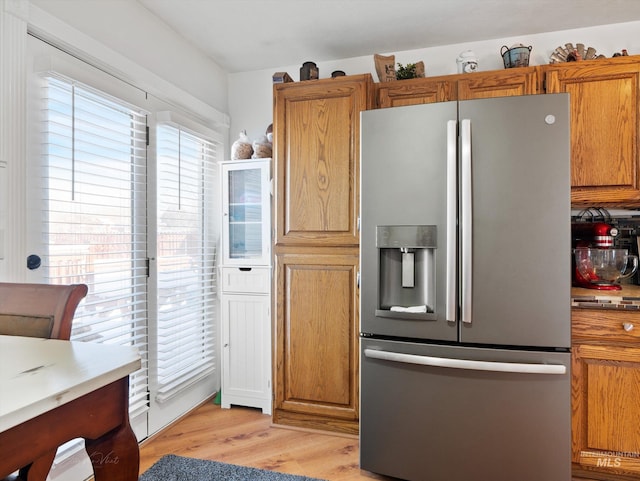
520	186
450	423
404	180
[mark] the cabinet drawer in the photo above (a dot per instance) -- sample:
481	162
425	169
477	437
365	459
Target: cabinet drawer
254	280
605	325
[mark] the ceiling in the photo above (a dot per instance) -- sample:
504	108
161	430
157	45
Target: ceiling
246	35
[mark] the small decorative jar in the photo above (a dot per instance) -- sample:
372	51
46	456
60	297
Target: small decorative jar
309	71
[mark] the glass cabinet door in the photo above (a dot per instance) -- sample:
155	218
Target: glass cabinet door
246	212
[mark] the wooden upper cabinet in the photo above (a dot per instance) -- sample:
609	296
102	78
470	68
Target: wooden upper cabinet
604	128
316	143
498	83
415	91
477	85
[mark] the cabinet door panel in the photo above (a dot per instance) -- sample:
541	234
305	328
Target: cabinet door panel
317	335
246	354
605	127
499	83
246	212
616	386
316	136
414	92
606	405
319	178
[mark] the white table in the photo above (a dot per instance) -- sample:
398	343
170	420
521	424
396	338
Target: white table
52	391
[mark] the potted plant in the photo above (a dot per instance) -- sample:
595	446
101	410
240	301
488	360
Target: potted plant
406	72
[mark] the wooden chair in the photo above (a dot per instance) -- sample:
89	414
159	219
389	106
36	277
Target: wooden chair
39	310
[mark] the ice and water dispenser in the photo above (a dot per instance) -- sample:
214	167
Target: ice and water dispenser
406	270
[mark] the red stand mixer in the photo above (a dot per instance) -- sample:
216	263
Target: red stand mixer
593	234
596	263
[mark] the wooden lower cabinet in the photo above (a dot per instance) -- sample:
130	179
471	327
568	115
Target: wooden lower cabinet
606	394
316	339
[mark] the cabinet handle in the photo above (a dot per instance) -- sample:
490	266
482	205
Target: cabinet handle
627	326
226	344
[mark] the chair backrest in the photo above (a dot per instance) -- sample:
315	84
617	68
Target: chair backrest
39	310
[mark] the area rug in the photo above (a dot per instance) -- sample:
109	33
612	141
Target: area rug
178	468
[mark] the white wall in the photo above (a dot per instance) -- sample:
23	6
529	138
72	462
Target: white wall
250	93
130	30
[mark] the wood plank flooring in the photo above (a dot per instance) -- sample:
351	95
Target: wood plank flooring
246	437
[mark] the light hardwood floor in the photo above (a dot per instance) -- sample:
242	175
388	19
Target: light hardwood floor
246	437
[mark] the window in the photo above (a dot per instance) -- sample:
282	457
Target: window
186	236
94	207
123	196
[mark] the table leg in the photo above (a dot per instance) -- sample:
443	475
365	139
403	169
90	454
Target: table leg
115	456
39	469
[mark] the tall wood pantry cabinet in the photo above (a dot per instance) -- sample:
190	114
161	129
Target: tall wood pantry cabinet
245	274
316	238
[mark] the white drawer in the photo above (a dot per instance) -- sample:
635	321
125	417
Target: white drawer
254	280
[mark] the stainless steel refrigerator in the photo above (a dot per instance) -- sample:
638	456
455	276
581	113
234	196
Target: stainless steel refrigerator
465	290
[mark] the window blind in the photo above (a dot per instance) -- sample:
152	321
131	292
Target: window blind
186	234
94	203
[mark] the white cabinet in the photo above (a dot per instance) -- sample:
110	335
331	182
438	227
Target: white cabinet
245	275
246	350
246	212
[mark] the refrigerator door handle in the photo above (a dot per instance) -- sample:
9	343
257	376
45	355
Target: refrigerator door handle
452	241
466	221
521	368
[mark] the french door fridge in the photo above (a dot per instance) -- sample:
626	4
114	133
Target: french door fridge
465	290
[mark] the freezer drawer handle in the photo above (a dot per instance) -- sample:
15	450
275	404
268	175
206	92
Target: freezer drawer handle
466	364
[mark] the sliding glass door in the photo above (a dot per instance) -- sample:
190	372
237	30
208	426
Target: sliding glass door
123	196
